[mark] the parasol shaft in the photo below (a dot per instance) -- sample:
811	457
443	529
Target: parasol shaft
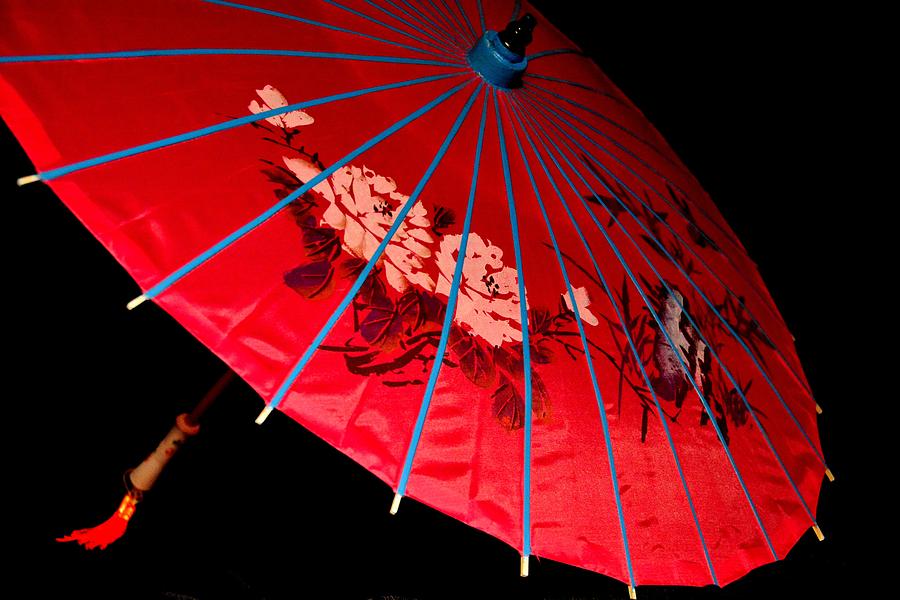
186	425
210	396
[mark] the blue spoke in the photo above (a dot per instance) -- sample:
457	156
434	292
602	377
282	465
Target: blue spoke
464	32
625	329
413	26
709	347
526	344
612	122
383	24
555	107
242	231
448	314
575	127
709	303
689	247
361	279
588	88
448	23
614	479
164	52
517	8
226	125
675	350
481	17
437	27
465	15
419	23
545	53
281	15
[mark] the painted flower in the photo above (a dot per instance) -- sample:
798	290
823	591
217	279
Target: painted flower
488	300
363	205
272	99
582	301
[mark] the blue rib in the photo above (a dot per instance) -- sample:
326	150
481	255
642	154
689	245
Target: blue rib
451	27
466	33
581	86
457	32
612	122
634	351
672	345
709	303
383	24
481	17
685	244
649	167
437	27
448	314
554	52
715	355
690	249
526	345
361	279
650	187
281	15
226	125
159	52
614	479
713	352
419	23
466	17
413	26
239	233
517	8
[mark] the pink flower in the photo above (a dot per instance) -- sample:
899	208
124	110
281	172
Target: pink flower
488	300
582	301
363	205
273	99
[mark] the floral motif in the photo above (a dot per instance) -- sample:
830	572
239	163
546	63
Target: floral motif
488	300
363	205
273	99
399	311
582	301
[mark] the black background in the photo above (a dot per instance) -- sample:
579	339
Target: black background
752	100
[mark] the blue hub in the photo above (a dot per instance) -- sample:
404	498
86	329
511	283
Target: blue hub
500	57
497	64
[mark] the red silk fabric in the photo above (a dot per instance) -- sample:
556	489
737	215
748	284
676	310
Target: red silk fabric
260	302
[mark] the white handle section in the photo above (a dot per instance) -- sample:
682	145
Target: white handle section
146	473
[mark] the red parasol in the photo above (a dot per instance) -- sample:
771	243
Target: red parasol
342	209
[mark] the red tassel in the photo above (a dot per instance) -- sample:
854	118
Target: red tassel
110	530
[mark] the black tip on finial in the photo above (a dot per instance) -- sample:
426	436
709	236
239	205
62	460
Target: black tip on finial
517	34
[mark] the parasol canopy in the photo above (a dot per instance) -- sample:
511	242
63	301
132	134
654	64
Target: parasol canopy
348	204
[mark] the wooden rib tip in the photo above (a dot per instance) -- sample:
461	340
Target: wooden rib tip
632	593
818	533
829	474
264	415
395	504
136	302
818	409
523	567
27	179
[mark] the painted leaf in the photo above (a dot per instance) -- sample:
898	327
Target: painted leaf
310	279
369	363
474	359
508	405
379	317
540	399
